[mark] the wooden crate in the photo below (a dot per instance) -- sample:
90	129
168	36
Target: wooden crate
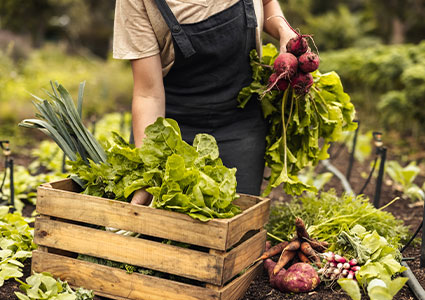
219	262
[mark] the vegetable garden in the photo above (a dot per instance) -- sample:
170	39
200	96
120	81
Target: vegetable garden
330	235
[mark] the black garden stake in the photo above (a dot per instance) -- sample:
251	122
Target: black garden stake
382	152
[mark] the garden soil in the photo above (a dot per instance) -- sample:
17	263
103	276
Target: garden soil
410	213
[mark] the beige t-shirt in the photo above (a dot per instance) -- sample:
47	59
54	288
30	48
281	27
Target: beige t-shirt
140	30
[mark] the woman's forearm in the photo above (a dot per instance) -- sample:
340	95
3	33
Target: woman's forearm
275	25
148	95
145	111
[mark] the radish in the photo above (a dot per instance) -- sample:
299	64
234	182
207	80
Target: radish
308	62
297	45
340	259
353	262
302	83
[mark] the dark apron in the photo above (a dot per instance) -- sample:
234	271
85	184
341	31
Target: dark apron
211	66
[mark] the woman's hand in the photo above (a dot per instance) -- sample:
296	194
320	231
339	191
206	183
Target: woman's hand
141	197
284	37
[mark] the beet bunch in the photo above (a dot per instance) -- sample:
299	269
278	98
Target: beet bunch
294	67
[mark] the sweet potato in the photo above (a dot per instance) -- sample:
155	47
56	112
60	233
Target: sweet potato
276	281
300	277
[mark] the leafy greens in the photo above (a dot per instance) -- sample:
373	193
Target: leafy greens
181	177
300	127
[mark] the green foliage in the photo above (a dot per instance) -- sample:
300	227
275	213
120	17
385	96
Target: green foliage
26	184
338	28
363	145
182	178
16	244
311	178
379	264
404	179
42	286
300	127
386	82
109	89
325	215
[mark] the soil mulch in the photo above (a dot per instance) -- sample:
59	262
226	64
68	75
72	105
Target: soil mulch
260	289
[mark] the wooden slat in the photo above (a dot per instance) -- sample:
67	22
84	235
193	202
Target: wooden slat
135	251
115	283
244	255
236	289
66	184
253	218
146	220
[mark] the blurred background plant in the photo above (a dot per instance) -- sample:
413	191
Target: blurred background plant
375	46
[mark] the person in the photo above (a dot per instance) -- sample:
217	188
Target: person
190	59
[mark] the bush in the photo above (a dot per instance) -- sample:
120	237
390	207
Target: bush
387	84
108	83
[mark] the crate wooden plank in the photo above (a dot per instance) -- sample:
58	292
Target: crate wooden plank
253	218
144	253
243	255
236	289
220	234
66	184
115	283
135	218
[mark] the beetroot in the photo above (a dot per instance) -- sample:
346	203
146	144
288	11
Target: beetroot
285	65
282	84
276	281
300	277
297	45
308	62
302	83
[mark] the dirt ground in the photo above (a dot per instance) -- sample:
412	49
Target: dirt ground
260	289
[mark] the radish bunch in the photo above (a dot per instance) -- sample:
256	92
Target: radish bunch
294	67
338	266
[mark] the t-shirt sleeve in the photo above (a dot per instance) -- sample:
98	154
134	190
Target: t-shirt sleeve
133	36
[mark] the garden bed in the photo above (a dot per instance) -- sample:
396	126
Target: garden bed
259	288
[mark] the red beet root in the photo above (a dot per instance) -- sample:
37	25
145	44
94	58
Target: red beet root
302	83
297	45
308	62
282	84
285	65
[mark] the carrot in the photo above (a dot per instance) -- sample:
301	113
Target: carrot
301	231
303	257
310	253
317	245
273	251
284	258
293	245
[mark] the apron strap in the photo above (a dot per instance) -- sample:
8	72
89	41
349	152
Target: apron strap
177	31
251	19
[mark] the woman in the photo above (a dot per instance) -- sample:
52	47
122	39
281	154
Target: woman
190	59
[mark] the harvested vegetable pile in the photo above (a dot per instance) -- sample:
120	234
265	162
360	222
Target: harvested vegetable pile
182	178
300	277
302	120
327	214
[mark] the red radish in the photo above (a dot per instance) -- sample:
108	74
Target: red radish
272	79
302	83
297	45
285	65
308	62
353	262
355	268
350	275
346	265
340	259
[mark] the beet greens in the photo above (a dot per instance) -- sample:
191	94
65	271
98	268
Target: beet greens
301	126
